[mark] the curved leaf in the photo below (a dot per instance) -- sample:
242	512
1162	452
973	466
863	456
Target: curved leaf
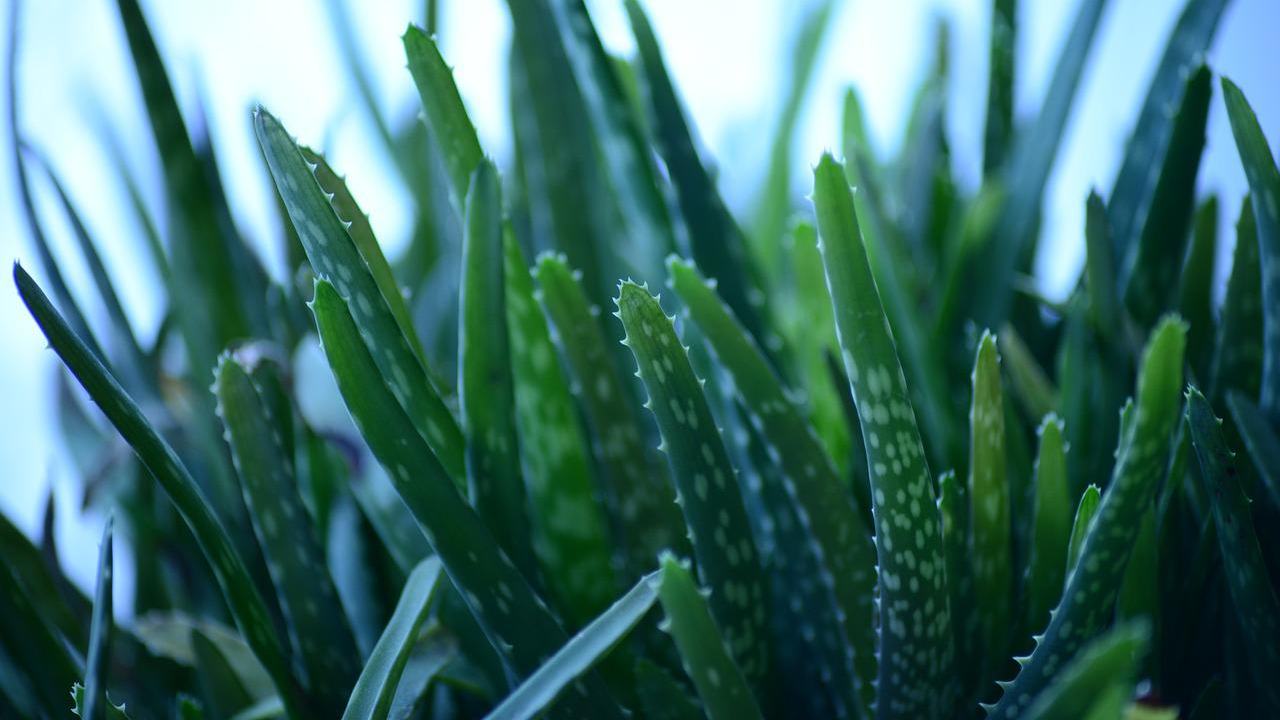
1109	661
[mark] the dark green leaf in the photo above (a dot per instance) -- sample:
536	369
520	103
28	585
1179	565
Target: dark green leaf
1050	525
1195	298
1237	358
444	112
1000	84
1259	440
95	706
1110	661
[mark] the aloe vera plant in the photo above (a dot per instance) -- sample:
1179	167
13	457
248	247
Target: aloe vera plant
749	497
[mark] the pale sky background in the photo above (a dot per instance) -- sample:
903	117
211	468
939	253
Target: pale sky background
725	55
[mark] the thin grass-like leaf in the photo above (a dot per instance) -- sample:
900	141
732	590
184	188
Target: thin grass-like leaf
247	606
97	664
321	636
516	621
570	531
583	651
1256	608
916	650
376	688
706	483
1264	190
1094	582
1000	84
1195	294
1152	267
484	379
1100	271
703	649
1135	184
1237	357
840	542
637	487
335	256
1085	510
1260	441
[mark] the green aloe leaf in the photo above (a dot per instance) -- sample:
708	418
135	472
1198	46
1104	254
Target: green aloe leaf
443	110
990	526
1135	184
1259	440
1195	295
1138	591
1112	660
375	690
1050	524
484	377
111	710
1100	270
637	487
1256	607
1029	165
706	483
716	242
840	541
1264	190
1094	582
1031	384
361	233
703	648
1237	359
953	512
1151	274
246	605
916	650
773	205
227	695
1085	510
336	257
1000	84
583	651
95	705
319	630
662	697
516	621
570	531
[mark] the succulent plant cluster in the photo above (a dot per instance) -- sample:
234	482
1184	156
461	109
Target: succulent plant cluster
851	465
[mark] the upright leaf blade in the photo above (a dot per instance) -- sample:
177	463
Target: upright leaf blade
376	688
1237	357
1261	442
706	483
1264	190
96	705
1085	510
484	377
443	110
1000	84
916	650
1050	525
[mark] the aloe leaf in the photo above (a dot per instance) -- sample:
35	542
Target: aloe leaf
706	483
1050	524
1237	358
1135	183
1256	607
335	256
246	605
1093	584
661	697
1104	306
953	514
208	260
716	242
1000	84
96	665
170	635
1264	190
703	649
839	540
990	527
1151	275
219	681
570	533
517	622
1031	384
23	633
1030	162
376	688
1259	440
485	391
70	613
1111	660
583	651
361	232
321	636
444	112
111	710
774	200
1139	589
1085	510
637	487
1195	294
916	650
